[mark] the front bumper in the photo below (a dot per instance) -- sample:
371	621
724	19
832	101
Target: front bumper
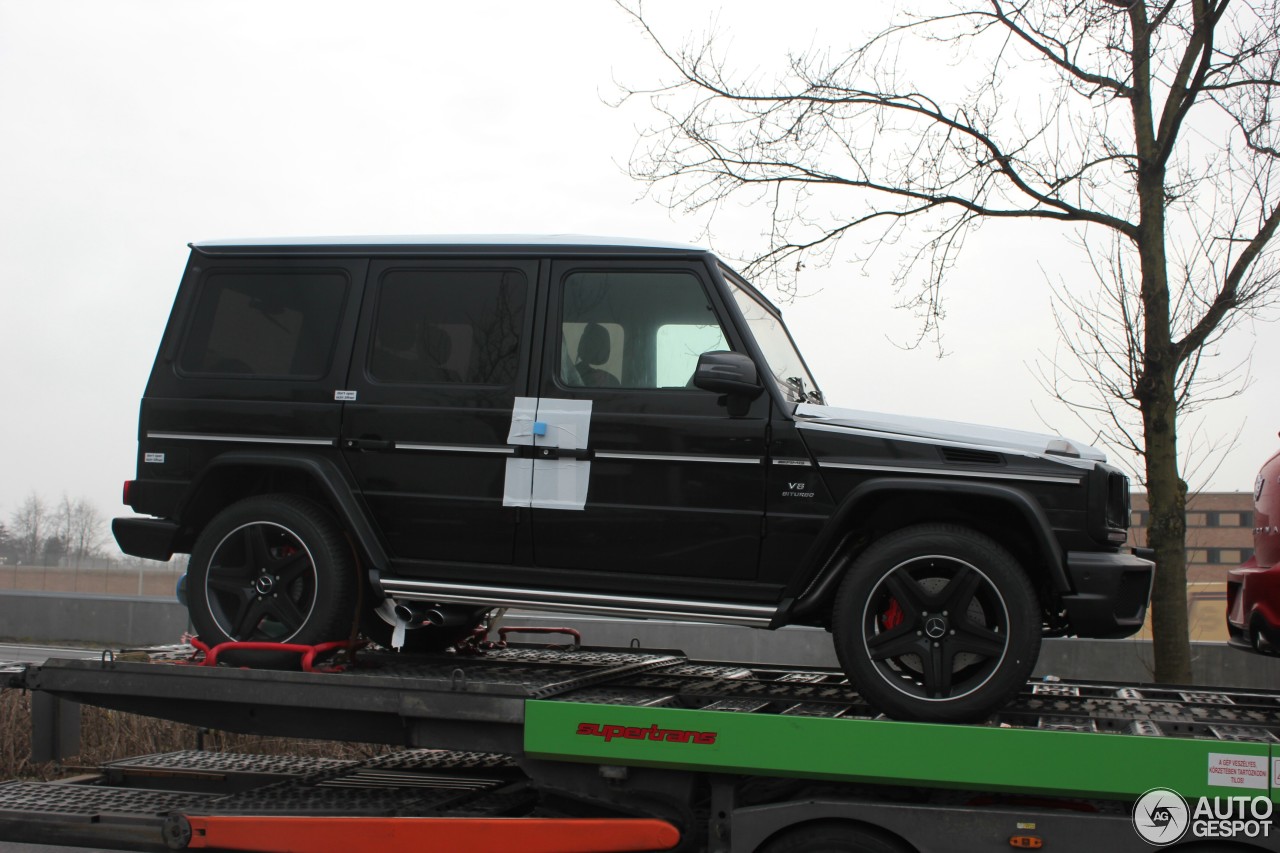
1253	608
1111	594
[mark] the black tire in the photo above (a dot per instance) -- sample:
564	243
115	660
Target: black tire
275	568
835	836
422	640
937	622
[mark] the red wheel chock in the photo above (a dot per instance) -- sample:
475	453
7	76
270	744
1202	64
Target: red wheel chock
308	653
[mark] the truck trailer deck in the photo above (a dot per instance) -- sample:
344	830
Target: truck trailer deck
571	748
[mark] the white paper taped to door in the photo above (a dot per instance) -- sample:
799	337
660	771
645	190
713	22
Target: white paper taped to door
562	483
517	490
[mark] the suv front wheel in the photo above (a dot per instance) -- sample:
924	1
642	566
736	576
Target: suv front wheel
274	568
937	622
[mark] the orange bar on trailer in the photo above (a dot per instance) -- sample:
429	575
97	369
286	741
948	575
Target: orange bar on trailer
294	834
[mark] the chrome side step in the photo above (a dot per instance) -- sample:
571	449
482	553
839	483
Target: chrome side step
756	616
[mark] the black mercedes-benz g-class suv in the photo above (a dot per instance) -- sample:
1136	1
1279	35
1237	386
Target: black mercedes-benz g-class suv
405	433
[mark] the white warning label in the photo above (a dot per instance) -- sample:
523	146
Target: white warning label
1238	771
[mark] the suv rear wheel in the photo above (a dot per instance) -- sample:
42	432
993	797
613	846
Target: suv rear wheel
937	622
275	568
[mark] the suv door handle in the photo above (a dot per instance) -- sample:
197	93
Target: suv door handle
370	444
528	452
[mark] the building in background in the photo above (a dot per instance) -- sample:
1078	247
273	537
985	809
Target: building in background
1219	537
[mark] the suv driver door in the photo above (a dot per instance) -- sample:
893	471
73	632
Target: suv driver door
642	483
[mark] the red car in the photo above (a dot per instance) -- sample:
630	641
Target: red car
1253	589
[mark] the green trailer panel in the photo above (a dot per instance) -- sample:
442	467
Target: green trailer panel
888	752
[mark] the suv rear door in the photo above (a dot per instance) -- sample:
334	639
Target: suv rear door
441	356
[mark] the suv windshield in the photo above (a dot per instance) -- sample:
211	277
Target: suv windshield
780	351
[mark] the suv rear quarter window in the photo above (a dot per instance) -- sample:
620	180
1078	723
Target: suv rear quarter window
265	324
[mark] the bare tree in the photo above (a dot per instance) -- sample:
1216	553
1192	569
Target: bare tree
79	527
1147	127
86	533
61	520
53	551
1099	360
30	528
8	550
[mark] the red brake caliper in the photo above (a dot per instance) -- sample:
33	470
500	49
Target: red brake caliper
892	617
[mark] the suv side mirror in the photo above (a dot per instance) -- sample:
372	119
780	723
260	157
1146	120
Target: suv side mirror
732	373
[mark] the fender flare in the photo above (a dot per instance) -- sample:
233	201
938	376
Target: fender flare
323	472
824	565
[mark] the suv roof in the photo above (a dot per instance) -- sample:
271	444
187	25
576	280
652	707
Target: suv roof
436	242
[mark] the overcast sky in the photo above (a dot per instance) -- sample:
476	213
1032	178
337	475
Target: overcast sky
132	128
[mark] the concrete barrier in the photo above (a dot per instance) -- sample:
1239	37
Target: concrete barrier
140	621
70	617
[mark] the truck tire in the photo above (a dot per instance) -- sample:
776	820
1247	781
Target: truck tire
274	568
937	622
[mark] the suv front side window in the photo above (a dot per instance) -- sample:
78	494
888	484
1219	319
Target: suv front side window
635	330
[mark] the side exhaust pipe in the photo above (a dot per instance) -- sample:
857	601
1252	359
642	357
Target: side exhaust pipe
415	615
450	618
412	615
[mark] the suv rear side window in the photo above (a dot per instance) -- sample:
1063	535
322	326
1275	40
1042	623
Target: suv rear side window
265	324
442	326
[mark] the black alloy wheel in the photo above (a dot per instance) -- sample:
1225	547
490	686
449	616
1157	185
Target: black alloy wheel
275	568
937	622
